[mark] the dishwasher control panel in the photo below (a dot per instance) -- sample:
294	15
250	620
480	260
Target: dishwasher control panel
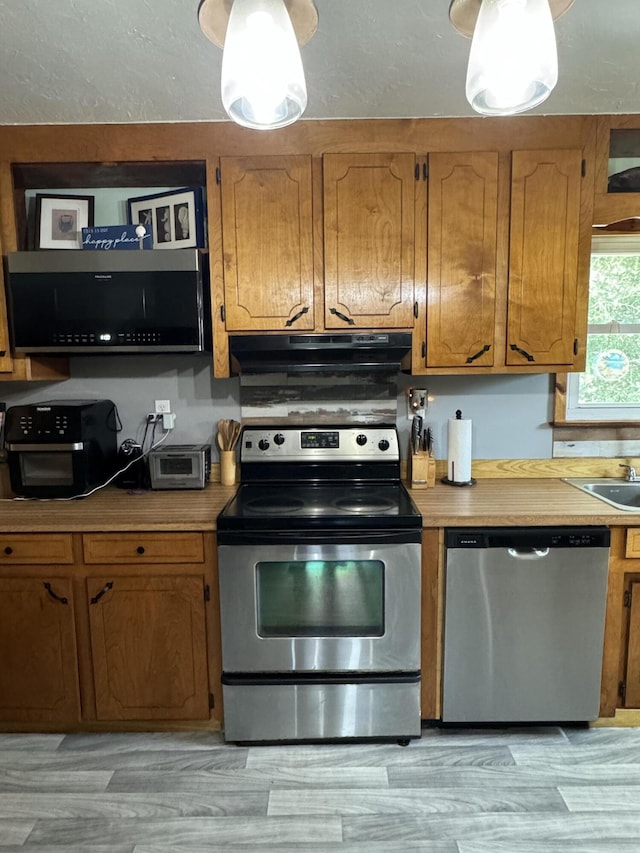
528	537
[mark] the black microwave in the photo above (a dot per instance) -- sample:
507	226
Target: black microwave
72	302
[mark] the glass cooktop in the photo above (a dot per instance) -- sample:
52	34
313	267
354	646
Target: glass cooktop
264	506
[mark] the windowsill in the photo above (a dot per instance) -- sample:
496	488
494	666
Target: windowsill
590	424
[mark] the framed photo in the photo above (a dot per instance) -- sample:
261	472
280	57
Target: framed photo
175	218
60	220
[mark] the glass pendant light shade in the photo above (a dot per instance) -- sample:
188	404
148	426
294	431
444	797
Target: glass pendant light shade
513	63
263	83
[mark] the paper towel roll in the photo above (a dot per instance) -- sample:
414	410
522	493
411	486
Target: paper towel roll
459	450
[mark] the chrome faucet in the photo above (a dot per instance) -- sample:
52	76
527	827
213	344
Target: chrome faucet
630	476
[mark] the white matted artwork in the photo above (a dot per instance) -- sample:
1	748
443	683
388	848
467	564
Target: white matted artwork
60	220
174	218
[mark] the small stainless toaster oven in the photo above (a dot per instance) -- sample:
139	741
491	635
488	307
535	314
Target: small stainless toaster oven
180	466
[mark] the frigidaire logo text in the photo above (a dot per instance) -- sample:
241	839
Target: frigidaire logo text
43	408
103	277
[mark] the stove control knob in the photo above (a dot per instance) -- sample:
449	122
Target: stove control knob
278	438
361	439
383	444
263	444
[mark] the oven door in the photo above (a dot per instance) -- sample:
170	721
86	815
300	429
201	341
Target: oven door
48	470
321	606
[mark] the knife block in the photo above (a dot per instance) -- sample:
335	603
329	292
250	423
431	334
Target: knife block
422	470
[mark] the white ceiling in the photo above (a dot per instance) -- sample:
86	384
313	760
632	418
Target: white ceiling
88	61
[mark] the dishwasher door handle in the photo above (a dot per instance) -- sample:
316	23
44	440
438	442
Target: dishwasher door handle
529	554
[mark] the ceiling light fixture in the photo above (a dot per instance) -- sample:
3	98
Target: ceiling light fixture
513	62
262	80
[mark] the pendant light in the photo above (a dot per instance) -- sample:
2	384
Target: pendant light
513	62
262	81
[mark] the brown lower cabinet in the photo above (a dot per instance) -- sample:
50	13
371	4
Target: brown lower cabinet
621	663
149	647
38	659
123	629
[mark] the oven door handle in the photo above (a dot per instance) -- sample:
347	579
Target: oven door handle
44	447
320	537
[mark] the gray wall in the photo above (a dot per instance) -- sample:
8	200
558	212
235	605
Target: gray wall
510	414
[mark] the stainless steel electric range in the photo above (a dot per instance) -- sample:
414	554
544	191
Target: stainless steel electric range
319	562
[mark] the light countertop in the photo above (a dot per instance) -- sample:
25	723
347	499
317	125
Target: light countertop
499	502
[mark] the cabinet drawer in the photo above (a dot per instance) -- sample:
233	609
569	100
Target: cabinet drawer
35	548
633	542
143	548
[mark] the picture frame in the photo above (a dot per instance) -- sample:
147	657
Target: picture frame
175	217
60	220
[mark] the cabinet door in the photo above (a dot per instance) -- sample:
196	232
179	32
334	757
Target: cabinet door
369	240
267	239
543	257
632	679
6	362
148	643
461	259
38	662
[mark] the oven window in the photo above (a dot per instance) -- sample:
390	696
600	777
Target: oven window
46	469
320	598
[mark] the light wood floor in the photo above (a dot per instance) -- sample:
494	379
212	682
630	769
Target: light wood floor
546	789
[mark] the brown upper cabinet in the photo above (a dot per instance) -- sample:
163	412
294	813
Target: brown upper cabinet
507	285
617	179
461	261
268	241
543	258
369	239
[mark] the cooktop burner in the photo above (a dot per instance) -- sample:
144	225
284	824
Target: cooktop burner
366	502
272	505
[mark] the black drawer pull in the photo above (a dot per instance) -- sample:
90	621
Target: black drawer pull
105	589
140	549
297	316
8	550
484	349
522	352
344	317
61	598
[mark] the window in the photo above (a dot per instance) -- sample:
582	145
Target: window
609	389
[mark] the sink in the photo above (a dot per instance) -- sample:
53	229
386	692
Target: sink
619	493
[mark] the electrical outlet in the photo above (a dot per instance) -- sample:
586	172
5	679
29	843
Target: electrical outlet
163	407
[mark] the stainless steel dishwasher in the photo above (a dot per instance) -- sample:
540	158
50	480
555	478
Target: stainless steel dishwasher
524	624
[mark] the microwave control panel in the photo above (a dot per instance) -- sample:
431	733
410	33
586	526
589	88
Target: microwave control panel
56	421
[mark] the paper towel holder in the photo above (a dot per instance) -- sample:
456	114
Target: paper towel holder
470	482
449	482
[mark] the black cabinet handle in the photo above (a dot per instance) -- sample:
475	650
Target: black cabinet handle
140	549
105	589
297	316
522	352
344	317
61	598
484	349
8	550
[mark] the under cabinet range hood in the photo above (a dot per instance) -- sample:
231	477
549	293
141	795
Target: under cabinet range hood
360	351
77	302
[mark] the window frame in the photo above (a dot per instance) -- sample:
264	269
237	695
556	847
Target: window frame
566	408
